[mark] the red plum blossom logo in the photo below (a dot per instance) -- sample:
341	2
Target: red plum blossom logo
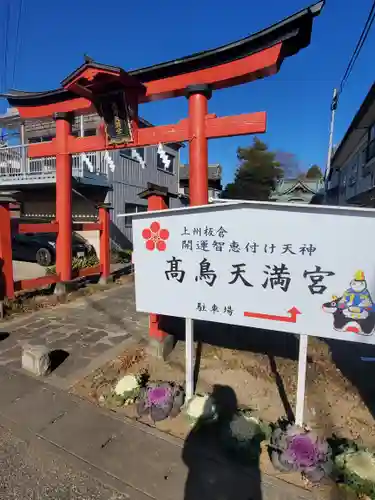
155	237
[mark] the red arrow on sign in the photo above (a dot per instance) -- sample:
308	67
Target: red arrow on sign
292	318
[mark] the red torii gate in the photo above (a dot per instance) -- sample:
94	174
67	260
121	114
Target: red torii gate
115	94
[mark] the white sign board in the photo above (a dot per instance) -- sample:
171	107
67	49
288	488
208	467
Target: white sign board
300	269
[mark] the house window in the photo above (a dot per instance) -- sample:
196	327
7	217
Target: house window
161	165
87	133
127	153
131	208
343	183
371	143
353	171
46	138
362	160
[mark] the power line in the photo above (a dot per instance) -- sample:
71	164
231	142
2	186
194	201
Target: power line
17	42
357	54
6	45
359	46
336	94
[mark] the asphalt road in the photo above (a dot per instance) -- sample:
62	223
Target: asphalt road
30	472
27	270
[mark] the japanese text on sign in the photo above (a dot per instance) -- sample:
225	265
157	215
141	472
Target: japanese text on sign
276	275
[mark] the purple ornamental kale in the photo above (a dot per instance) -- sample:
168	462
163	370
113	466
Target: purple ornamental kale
159	395
300	450
157	400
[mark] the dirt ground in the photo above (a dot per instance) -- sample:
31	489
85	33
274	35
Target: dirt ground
262	382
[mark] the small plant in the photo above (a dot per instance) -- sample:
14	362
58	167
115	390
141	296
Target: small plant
113	400
78	263
121	256
128	388
202	408
83	262
293	448
160	400
243	434
355	469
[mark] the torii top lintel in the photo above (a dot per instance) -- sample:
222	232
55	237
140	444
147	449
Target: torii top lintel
256	56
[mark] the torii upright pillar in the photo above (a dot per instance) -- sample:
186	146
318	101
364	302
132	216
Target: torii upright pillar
198	96
63	200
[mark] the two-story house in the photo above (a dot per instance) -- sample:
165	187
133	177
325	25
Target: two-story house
214	180
115	177
351	179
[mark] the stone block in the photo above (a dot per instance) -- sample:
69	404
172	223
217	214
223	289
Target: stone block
36	359
61	291
161	348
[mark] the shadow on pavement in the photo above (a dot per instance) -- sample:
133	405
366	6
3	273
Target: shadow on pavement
347	358
3	336
114	315
197	364
57	356
211	476
268	342
281	389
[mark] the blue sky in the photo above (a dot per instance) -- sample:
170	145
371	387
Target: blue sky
54	35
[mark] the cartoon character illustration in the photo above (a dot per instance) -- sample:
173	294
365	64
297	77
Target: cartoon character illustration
354	311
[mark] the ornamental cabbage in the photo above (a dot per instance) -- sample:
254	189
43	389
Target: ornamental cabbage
160	400
127	385
298	449
202	408
356	468
242	436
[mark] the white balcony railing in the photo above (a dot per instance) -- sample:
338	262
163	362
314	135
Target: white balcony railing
17	167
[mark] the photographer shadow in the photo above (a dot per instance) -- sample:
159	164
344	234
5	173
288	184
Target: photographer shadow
212	474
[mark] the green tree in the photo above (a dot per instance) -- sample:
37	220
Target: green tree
256	174
314	172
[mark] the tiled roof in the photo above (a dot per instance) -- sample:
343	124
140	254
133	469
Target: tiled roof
214	171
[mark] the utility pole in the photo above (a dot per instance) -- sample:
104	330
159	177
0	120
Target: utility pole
330	143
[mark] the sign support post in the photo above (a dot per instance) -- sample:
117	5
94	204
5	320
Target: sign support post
189	358
301	380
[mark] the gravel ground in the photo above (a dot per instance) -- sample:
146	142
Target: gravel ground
29	472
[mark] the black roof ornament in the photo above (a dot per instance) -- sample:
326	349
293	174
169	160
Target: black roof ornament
88	59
